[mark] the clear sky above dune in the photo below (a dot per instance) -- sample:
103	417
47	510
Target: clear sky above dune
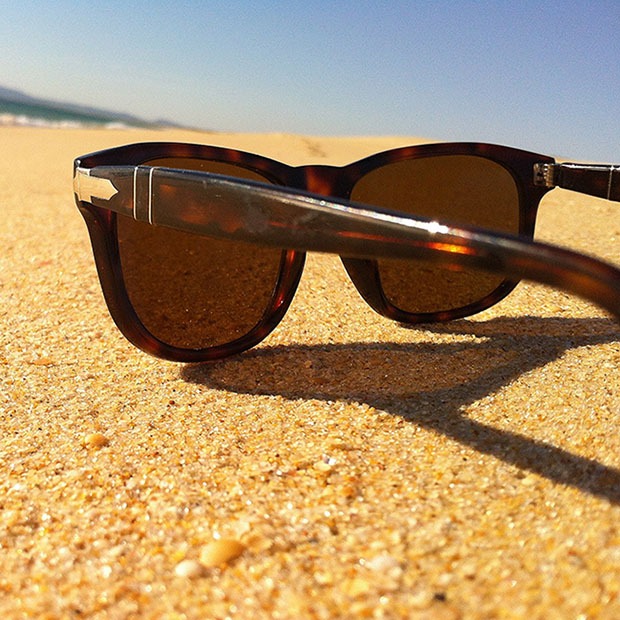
539	75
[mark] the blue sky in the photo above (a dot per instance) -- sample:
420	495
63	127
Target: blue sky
543	76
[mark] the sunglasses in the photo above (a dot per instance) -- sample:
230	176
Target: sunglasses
199	249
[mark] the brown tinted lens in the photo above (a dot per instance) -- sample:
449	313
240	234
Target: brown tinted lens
459	189
190	291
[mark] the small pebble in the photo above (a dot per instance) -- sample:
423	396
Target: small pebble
96	440
323	466
421	599
383	563
189	569
221	551
356	587
42	361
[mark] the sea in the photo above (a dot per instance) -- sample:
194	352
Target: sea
35	114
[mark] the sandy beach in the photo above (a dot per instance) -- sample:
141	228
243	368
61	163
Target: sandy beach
345	468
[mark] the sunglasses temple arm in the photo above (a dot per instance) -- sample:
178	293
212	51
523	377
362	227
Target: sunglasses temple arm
593	179
225	207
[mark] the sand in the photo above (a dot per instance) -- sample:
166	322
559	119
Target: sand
347	467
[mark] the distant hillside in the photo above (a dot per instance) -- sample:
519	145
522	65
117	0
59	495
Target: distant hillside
19	107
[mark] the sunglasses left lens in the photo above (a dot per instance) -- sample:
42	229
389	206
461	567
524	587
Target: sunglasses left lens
458	189
195	292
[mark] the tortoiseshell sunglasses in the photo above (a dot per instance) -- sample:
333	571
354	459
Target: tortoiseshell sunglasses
199	249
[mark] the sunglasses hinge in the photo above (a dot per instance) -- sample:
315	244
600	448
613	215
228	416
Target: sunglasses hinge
544	175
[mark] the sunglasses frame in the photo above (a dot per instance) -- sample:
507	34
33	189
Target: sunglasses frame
534	175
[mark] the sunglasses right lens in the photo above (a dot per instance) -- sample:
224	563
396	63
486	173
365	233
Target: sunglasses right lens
195	292
458	189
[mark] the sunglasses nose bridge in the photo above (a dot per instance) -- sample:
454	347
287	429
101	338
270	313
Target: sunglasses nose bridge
323	180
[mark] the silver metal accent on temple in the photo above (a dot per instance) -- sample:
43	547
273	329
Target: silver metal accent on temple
544	175
135	191
150	212
142	206
87	187
611	179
